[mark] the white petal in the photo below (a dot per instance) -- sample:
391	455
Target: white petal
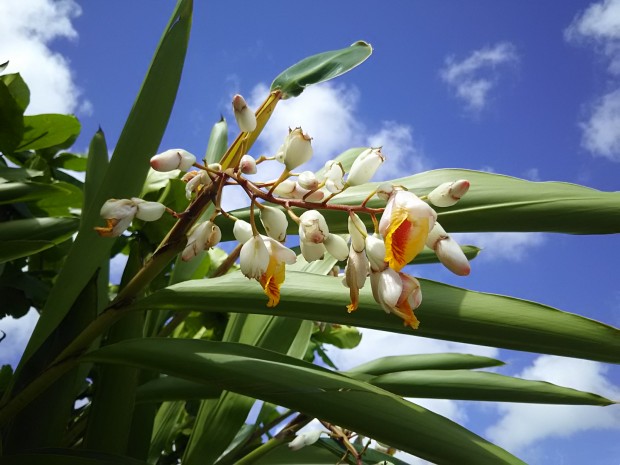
254	258
246	120
452	256
375	250
356	270
280	252
389	287
313	227
365	166
358	232
448	193
296	150
307	180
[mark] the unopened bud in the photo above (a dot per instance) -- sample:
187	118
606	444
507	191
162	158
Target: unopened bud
173	159
305	439
313	227
448	251
246	120
296	149
375	251
308	180
448	193
358	232
242	230
247	164
384	190
148	211
337	247
334	176
201	237
275	222
365	166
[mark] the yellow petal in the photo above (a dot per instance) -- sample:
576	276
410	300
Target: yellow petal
405	238
271	281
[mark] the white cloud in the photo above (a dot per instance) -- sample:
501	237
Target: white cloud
26	32
473	78
502	246
402	155
599	24
18	333
601	133
522	425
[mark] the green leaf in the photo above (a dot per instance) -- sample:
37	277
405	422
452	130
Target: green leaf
493	203
447	361
318	392
49	130
171	388
70	161
13	192
343	337
11	120
17	174
321	67
20	238
446	312
218	142
18	89
480	385
427	255
125	175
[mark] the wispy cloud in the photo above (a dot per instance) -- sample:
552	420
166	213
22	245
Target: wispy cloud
473	78
522	425
512	247
599	26
17	332
26	31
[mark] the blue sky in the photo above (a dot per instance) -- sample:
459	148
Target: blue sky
528	89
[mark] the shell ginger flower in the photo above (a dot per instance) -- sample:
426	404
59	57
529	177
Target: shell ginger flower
405	225
119	213
264	259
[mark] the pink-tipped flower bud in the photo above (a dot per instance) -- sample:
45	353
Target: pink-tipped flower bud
246	120
365	166
448	251
173	159
307	180
275	222
296	149
247	164
448	193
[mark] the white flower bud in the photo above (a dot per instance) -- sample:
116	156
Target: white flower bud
365	166
312	227
195	180
307	180
148	211
448	251
242	230
118	209
358	232
334	176
247	164
286	189
448	193
202	237
305	439
375	250
311	251
275	222
384	190
246	120
296	149
336	246
173	159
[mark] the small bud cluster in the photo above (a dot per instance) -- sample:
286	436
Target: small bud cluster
407	223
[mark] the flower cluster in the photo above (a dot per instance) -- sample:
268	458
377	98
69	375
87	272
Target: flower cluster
406	226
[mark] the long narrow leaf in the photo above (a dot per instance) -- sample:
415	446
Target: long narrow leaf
447	312
287	381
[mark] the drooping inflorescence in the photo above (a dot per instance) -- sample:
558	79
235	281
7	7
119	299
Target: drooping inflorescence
402	228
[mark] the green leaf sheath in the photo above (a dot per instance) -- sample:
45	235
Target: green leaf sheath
321	67
447	312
